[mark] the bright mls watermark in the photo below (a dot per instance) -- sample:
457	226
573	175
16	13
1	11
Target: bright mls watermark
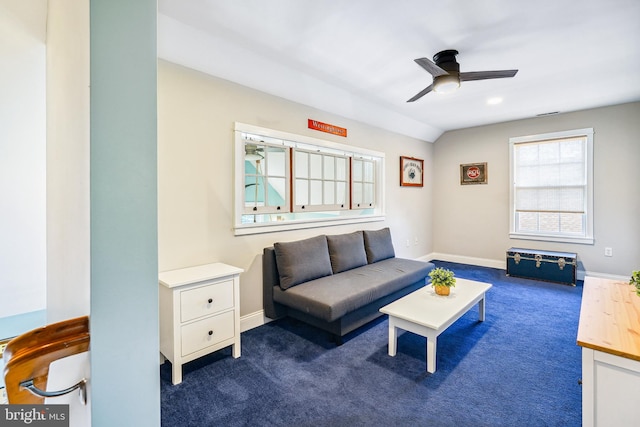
34	415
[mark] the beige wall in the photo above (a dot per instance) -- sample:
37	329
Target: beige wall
196	115
68	254
471	223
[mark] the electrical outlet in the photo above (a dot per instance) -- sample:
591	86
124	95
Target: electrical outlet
415	240
407	242
608	252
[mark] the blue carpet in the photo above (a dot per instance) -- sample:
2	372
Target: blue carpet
518	368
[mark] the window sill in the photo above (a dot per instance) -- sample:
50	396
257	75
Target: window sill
561	239
247	229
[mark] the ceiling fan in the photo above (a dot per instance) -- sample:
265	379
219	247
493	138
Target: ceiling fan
447	76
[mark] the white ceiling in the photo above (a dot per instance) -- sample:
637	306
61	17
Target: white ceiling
355	58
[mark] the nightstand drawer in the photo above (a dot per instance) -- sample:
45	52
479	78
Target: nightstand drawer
206	300
207	332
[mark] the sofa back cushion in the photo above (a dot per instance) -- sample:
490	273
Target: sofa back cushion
346	251
378	245
301	261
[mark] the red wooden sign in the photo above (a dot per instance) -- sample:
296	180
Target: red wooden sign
325	127
473	172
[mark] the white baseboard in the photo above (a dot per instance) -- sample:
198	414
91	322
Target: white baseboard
482	262
253	320
607	276
502	264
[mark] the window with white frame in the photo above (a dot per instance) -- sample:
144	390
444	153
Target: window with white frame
285	181
265	178
363	182
321	181
551	195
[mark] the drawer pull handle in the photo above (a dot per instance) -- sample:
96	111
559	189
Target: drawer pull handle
210	333
210	300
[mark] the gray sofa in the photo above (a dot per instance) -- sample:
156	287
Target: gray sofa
337	282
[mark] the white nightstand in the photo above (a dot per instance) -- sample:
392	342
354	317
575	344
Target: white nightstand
199	313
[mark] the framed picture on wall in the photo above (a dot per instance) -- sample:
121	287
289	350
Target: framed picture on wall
411	172
473	173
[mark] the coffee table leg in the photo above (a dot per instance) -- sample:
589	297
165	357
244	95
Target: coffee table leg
432	344
393	337
481	309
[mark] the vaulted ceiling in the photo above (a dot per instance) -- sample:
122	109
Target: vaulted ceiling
356	58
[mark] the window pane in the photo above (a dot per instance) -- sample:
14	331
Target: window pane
276	191
571	223
357	170
315	166
341	193
276	159
341	169
527	221
250	190
254	191
316	192
368	171
329	167
368	194
357	194
302	192
329	193
302	164
549	222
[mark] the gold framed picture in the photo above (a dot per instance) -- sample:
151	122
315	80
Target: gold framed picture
473	173
411	172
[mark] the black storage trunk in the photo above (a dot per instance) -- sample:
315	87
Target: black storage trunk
550	266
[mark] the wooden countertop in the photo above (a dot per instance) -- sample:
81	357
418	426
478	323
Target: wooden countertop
610	318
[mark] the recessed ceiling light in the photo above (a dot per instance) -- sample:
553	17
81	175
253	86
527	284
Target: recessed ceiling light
494	101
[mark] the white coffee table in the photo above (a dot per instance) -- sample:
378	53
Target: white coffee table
425	313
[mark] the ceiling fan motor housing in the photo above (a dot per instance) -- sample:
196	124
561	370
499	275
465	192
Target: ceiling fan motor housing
447	61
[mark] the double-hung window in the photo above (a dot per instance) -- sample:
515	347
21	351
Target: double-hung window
551	195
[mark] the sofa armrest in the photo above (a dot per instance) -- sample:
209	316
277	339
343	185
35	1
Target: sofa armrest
270	278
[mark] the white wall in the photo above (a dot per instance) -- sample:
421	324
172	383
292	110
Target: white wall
196	114
472	221
68	254
22	157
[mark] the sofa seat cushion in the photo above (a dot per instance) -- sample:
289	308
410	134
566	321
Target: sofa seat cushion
331	297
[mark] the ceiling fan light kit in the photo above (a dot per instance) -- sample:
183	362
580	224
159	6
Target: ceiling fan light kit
447	76
446	84
252	153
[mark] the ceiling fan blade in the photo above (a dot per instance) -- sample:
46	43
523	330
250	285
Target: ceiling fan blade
431	68
422	93
486	75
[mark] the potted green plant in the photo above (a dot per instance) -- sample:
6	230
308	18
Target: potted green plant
442	280
635	280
